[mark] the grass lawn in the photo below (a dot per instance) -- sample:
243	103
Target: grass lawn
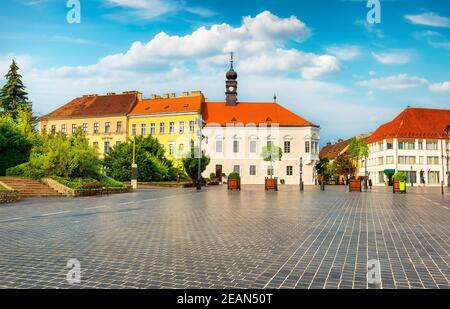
80	183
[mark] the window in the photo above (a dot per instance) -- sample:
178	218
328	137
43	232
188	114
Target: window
180	148
433	178
85	128
287	147
406	160
390	160
389	145
191	126
307	147
53	129
107	127
380	177
237	169
410	176
420	145
432	146
118	143
270	171
106	147
235	146
380	147
74	128
119	127
252	170
421	160
143	129
95	127
406	145
314	147
171	127
252	146
181	127
161	127
380	161
152	128
219	146
95	145
433	160
171	149
63	128
289	170
133	129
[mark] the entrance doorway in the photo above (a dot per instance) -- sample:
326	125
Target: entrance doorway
219	172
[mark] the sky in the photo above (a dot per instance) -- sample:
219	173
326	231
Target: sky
322	58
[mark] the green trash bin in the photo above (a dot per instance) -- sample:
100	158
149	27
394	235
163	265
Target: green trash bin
402	186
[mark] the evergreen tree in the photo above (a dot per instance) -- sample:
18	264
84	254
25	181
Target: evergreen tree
13	97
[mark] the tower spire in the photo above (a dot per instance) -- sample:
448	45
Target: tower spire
231	60
274	97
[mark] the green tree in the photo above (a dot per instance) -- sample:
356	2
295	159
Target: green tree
13	97
322	166
15	148
191	161
358	148
271	153
150	158
343	165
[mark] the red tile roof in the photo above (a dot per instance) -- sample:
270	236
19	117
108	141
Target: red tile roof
251	113
93	105
415	123
332	151
171	105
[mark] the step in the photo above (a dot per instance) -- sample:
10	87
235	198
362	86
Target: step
29	188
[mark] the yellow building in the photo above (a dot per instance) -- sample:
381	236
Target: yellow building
102	117
171	119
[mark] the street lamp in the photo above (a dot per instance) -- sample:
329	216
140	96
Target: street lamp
134	171
365	173
301	174
411	176
200	138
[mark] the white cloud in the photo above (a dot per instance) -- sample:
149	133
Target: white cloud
394	82
372	29
345	52
444	45
396	57
440	87
429	19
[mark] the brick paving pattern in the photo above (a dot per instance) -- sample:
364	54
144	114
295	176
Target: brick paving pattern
178	238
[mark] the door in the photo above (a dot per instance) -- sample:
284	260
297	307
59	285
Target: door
219	172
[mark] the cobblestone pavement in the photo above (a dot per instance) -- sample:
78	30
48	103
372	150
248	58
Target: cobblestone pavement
178	238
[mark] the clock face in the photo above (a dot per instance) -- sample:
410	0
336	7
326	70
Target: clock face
231	88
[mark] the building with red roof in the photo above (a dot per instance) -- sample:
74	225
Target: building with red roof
416	142
236	133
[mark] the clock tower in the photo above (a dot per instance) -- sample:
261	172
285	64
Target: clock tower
231	85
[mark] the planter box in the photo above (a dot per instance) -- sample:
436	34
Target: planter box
355	185
399	187
271	184
9	196
234	183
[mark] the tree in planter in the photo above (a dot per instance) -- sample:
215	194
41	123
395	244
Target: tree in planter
399	176
271	153
359	150
152	164
322	168
190	163
13	97
344	166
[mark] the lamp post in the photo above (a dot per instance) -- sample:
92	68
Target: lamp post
411	177
301	174
134	167
365	173
200	137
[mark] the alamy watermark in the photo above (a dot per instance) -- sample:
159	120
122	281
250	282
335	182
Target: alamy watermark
74	274
74	14
374	272
374	14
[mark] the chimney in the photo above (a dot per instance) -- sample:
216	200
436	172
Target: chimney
329	144
165	95
197	92
153	96
185	94
111	93
173	95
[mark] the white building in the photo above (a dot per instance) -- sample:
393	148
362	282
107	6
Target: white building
236	133
416	142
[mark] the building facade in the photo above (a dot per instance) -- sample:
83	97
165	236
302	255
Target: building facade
236	132
416	142
170	119
103	118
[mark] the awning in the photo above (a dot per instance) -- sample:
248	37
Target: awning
389	171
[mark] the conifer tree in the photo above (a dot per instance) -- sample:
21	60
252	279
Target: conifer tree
13	97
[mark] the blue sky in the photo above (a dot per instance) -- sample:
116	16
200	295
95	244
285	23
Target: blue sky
322	58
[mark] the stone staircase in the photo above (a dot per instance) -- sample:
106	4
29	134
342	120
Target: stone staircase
29	188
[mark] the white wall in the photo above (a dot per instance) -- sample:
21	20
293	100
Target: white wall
374	166
244	158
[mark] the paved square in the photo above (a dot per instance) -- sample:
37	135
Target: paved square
178	238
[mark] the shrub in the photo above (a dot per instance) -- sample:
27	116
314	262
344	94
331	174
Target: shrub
234	175
212	175
399	176
190	163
